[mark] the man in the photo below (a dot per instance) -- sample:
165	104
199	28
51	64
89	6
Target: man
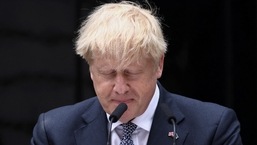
124	46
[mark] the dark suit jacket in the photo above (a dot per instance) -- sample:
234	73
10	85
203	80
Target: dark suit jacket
85	123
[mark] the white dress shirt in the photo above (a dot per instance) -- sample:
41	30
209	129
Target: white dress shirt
143	122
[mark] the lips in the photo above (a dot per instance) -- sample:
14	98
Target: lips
123	101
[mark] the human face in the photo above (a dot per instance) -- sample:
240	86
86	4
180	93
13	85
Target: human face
133	85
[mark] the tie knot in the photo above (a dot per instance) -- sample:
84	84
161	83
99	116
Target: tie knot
128	128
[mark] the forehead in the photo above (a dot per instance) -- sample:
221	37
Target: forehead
104	63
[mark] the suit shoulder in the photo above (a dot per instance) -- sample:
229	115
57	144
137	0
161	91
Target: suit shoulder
196	102
79	106
69	112
194	106
60	123
182	100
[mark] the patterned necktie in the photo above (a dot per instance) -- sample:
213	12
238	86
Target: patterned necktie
128	129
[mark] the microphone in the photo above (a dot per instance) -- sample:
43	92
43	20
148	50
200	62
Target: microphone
114	117
171	120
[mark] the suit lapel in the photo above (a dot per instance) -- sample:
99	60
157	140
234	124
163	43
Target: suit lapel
161	127
94	129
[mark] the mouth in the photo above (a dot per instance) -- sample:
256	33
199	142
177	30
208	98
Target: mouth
126	101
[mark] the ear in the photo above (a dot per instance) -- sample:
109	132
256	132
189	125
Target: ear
91	74
160	67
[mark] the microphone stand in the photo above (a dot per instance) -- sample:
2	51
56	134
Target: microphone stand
174	130
109	131
114	117
171	120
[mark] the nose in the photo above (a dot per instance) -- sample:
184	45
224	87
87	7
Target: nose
121	86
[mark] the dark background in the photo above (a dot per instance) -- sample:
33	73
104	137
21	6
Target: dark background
211	57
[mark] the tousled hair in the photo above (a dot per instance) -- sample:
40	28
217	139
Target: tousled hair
123	31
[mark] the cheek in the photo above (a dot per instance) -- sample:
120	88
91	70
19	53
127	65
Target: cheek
145	93
103	92
102	88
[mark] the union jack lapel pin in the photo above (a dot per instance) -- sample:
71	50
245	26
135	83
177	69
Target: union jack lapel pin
171	134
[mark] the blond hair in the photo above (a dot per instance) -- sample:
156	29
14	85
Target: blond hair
123	31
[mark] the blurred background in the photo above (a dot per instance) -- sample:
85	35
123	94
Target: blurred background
212	57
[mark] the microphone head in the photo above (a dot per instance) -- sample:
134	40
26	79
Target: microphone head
167	111
117	113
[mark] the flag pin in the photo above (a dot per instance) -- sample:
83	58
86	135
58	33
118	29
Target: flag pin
171	134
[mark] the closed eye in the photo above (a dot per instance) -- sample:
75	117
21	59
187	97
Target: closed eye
107	72
132	73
